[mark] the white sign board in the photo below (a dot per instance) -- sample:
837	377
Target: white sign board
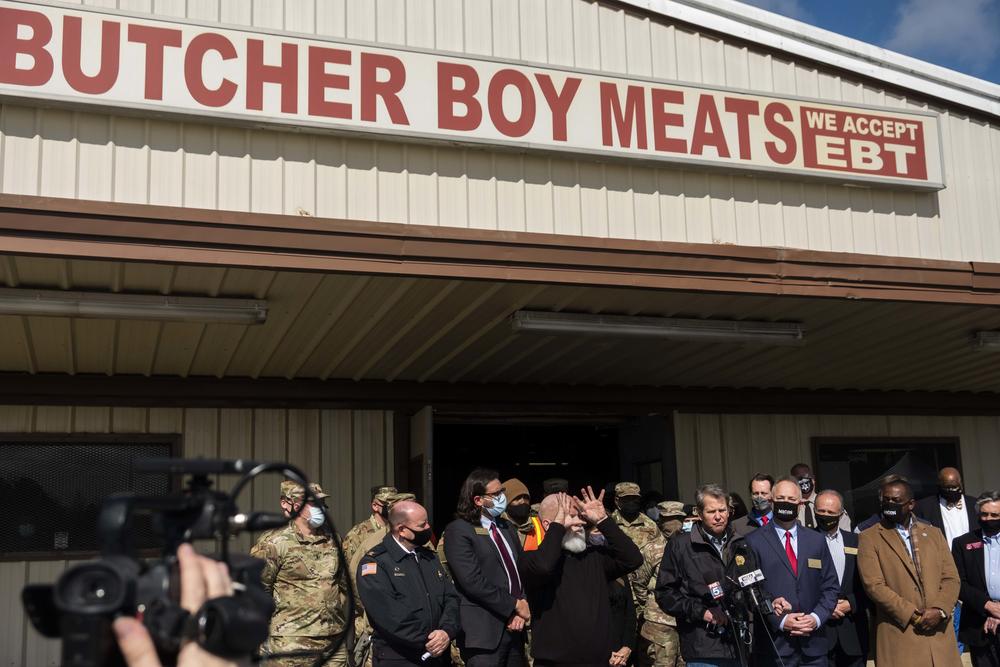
178	67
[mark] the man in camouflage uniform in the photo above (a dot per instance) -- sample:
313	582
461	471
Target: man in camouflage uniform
629	516
376	523
370	537
300	572
659	643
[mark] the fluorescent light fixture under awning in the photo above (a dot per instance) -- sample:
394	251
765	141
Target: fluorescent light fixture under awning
627	326
105	305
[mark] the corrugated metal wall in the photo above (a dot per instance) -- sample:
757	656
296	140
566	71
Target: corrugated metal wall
346	451
89	156
729	449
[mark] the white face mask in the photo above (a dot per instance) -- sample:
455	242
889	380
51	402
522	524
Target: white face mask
316	517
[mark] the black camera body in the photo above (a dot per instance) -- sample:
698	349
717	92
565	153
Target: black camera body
83	603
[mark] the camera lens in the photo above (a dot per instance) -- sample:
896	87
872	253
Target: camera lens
91	588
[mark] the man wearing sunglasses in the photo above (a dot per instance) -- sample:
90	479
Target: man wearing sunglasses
483	551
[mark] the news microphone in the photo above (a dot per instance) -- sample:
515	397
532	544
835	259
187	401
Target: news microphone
750	578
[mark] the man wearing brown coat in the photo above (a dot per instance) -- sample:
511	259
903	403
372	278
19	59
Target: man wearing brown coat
910	576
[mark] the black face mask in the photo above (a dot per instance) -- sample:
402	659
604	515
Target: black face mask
807	485
826	522
950	495
519	513
990	526
786	511
420	537
629	508
895	513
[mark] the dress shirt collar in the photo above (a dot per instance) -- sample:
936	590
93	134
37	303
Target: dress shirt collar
485	521
794	530
992	539
835	536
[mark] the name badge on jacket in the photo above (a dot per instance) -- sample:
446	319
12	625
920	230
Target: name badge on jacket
816	563
480	530
851	550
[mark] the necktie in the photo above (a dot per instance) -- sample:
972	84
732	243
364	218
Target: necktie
763	520
790	552
508	564
810	519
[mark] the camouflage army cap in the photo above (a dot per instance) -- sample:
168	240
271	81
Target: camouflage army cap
383	493
623	489
293	491
671	508
397	497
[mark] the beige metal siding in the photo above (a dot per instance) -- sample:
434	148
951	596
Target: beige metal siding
92	156
729	449
346	451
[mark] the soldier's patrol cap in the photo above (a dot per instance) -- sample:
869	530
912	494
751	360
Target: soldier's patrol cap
293	491
623	489
383	493
391	499
555	485
671	508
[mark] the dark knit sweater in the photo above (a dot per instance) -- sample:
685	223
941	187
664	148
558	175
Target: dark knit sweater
568	595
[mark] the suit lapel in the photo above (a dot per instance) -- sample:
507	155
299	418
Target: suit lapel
850	540
771	535
895	542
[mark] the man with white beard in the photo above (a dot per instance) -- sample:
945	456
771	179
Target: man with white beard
567	582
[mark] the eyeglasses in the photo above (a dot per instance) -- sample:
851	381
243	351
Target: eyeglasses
496	494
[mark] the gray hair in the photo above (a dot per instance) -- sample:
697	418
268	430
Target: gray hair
709	491
832	492
987	497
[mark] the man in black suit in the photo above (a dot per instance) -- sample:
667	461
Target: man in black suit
482	551
847	629
977	557
950	511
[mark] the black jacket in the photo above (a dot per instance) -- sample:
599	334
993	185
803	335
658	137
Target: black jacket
929	509
481	580
689	566
406	600
968	554
569	596
850	632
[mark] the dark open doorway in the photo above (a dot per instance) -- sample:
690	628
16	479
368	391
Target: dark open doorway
581	453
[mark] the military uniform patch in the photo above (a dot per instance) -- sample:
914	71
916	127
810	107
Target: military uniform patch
368	568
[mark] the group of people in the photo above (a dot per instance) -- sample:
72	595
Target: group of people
573	580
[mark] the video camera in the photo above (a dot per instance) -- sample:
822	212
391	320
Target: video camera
83	603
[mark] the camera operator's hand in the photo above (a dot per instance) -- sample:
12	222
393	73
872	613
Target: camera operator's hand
715	615
201	579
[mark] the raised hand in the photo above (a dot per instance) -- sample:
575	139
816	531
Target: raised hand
591	507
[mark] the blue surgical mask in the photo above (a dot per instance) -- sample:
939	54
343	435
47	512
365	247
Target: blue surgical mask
596	539
687	526
499	506
315	517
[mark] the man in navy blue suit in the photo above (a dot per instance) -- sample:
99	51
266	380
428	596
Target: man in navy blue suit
801	578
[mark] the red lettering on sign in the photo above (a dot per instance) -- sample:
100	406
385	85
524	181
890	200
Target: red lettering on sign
285	75
633	116
743	109
521	125
320	80
194	59
660	98
706	114
449	96
559	102
388	90
155	40
34	47
781	132
72	56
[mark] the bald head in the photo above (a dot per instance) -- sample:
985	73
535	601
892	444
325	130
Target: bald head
949	477
549	507
403	512
787	490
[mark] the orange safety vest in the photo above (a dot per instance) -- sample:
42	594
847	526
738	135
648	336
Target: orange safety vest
534	538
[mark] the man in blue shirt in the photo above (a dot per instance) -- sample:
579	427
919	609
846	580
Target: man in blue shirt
977	557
